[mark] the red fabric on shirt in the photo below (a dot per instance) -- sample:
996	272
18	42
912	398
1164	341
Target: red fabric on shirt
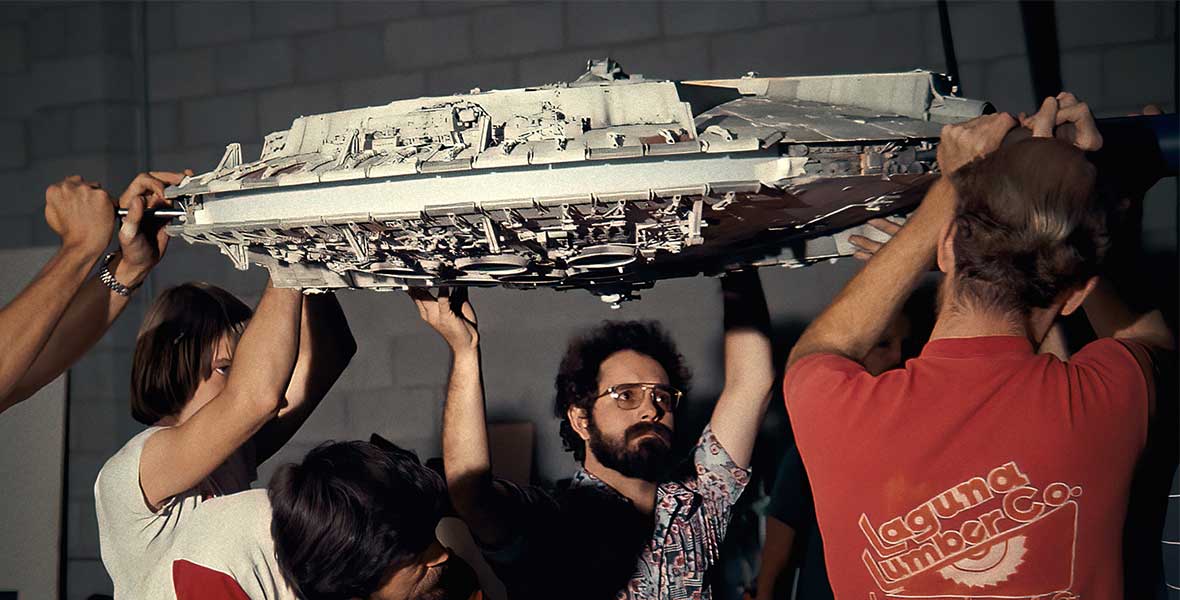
979	470
194	582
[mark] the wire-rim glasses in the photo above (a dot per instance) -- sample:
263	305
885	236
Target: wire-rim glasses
629	396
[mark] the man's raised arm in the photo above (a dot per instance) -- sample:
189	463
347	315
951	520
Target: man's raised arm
857	318
95	306
749	366
466	457
84	216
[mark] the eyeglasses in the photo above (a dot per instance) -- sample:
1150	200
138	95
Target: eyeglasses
629	396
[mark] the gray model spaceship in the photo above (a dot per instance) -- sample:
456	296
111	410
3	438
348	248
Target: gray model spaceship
607	183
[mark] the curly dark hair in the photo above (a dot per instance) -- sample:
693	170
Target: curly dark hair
577	379
1029	225
349	513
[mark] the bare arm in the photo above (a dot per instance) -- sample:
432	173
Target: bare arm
27	323
326	346
466	458
83	215
857	318
1110	316
776	555
749	366
177	458
94	307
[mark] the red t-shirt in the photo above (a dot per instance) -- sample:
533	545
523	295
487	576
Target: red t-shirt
980	470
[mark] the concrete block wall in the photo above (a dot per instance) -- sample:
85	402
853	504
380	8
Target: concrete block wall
223	72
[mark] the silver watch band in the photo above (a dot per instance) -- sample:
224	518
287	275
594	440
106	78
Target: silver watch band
108	278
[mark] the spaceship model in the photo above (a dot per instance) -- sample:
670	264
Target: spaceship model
607	183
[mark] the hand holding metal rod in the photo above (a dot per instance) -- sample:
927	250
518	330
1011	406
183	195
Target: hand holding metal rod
157	213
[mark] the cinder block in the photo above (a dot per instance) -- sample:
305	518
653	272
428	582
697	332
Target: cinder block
1083	24
566	66
97	27
218	121
608	22
47	32
281	18
341	54
415	42
161	26
1081	73
1138	75
18	99
682	18
850	45
255	65
328	422
517	29
794	12
24	193
103	127
933	54
457	6
885	5
13	54
419	359
16	231
14	12
365	12
404	412
51	132
381	90
277	109
461	79
1167	20
199	159
373	365
81	530
82	79
1009	85
683	59
14	152
211	23
181	74
84	468
971	80
163	126
987	30
85	578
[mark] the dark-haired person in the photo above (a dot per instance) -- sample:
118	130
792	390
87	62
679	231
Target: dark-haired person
210	425
982	469
633	523
357	520
65	310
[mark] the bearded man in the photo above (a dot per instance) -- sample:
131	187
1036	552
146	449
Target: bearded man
632	523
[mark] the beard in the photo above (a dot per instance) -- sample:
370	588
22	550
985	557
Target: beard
637	455
454	579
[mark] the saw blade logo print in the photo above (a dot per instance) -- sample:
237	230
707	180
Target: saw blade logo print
979	538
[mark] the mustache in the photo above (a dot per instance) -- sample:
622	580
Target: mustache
639	429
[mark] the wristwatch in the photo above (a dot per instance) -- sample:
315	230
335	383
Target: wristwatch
108	278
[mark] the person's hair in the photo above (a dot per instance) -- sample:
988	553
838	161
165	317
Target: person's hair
349	514
577	378
176	344
1029	226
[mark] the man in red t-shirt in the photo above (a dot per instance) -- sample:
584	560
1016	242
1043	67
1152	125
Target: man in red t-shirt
982	469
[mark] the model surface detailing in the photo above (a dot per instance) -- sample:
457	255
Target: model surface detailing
607	183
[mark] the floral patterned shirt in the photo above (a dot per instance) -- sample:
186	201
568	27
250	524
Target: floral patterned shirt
692	512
